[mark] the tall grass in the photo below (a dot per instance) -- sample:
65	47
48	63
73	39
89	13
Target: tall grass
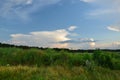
48	57
56	73
49	64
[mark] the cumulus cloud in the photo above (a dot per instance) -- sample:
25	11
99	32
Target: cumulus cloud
22	8
114	28
41	38
92	44
60	38
71	28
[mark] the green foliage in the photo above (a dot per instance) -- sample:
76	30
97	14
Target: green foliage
103	59
76	60
50	64
49	57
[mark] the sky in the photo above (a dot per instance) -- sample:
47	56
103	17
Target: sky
74	24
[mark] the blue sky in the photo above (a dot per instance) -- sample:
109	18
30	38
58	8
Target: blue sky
76	24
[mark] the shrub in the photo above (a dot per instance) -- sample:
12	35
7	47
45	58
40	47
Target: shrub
103	59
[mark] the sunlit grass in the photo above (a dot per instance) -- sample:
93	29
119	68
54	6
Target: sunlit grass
56	73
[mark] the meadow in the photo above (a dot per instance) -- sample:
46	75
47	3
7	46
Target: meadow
50	64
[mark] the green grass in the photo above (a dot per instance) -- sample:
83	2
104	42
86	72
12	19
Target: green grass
49	64
56	73
48	57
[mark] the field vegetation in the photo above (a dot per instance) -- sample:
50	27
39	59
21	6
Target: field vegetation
26	63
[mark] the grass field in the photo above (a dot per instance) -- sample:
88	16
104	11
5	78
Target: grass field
49	64
56	73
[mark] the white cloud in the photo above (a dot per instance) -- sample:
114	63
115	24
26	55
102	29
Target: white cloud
101	12
88	1
108	45
71	28
41	38
29	2
104	7
83	43
58	38
117	43
107	10
92	44
57	35
22	8
82	40
114	28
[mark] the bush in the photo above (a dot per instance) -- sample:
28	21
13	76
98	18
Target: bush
103	59
76	60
